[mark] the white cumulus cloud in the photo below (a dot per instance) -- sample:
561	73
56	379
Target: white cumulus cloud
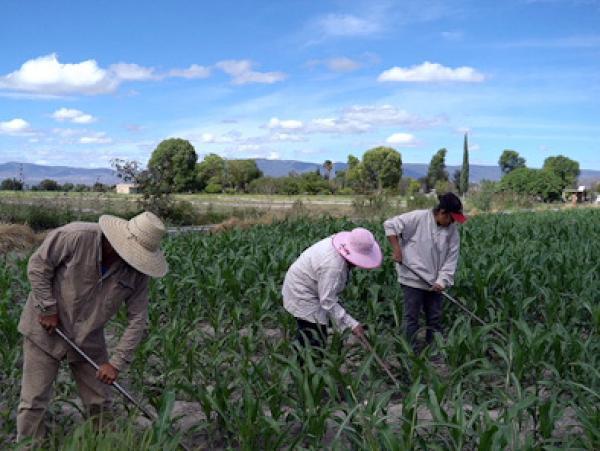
95	138
15	126
348	25
132	72
46	75
72	115
289	124
431	72
402	140
242	73
194	71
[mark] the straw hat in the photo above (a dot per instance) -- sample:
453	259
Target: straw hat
359	247
137	241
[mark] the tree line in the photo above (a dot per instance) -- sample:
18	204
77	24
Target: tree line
174	168
14	184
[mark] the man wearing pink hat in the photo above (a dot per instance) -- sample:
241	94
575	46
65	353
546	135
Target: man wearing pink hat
426	241
315	280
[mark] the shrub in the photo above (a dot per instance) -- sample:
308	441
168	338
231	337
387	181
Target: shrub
420	201
482	198
213	188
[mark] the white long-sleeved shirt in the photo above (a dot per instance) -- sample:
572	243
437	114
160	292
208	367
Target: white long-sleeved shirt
313	284
429	249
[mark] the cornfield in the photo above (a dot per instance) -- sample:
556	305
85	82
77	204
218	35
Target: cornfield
219	366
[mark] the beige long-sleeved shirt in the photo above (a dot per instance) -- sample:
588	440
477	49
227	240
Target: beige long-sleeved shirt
429	249
66	278
313	284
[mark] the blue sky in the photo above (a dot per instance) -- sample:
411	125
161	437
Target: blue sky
84	82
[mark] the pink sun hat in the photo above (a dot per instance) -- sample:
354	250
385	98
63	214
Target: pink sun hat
359	247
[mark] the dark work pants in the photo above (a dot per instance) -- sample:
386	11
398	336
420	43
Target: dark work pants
416	299
311	334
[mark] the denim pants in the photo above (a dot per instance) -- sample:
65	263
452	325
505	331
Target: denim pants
416	299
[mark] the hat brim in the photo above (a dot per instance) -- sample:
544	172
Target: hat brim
459	217
153	264
366	261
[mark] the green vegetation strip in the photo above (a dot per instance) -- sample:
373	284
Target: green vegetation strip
220	341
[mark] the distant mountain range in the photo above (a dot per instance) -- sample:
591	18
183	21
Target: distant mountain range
34	173
477	173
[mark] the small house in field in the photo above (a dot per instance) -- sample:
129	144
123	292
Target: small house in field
126	188
582	194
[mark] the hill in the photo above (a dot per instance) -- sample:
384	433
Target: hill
34	173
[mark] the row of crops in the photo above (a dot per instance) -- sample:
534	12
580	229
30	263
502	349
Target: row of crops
220	340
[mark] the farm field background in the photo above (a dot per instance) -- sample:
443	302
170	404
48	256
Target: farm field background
218	357
47	209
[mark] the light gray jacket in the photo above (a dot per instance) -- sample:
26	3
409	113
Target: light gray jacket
429	249
313	285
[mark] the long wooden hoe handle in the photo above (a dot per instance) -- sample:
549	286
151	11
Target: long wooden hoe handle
381	363
454	301
115	384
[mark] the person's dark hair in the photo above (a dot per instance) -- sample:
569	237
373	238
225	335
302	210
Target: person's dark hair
449	202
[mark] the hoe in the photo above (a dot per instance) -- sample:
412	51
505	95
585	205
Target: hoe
455	302
115	384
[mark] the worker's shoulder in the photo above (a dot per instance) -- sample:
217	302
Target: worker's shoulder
416	214
79	230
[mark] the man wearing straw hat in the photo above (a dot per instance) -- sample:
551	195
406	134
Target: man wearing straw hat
80	276
315	280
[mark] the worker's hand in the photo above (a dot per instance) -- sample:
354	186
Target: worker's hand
397	255
49	322
359	331
107	373
437	288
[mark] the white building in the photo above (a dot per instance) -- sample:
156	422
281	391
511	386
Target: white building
126	188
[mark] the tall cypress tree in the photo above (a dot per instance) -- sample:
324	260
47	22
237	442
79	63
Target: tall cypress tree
464	172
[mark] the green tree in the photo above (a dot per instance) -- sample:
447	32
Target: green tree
49	185
463	185
355	178
456	178
174	163
241	173
211	170
437	169
382	168
312	183
11	185
510	160
328	167
100	187
340	179
565	168
536	182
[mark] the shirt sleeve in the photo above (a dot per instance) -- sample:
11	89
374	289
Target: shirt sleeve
331	282
445	276
396	225
56	249
137	323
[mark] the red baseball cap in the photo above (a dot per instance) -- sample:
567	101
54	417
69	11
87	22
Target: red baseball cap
451	203
458	217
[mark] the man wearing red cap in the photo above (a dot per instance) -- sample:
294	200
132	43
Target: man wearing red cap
428	242
314	282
